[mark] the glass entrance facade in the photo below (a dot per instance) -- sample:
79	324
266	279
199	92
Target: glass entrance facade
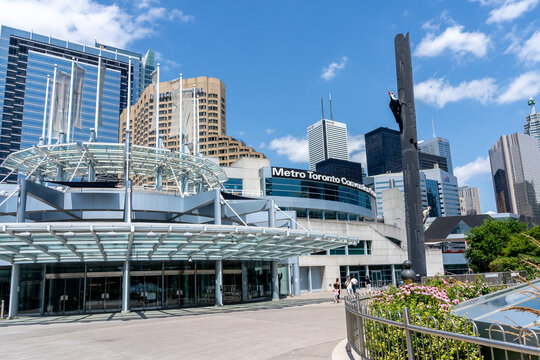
71	288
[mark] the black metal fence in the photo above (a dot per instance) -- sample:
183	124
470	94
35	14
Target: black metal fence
375	335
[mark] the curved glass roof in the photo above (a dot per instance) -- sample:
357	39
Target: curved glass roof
108	158
118	241
489	308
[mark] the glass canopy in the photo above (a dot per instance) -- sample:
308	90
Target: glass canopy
85	241
109	159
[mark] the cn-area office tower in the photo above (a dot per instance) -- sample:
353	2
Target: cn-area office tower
327	139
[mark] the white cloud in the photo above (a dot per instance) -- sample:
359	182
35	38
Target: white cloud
165	63
510	10
295	149
357	149
269	131
525	85
529	52
85	20
478	167
330	71
455	40
439	92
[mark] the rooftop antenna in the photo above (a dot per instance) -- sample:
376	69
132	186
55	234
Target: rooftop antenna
331	113
322	108
433	126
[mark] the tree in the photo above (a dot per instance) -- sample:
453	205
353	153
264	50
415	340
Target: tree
486	242
518	249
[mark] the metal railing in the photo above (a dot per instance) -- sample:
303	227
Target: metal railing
375	335
493	278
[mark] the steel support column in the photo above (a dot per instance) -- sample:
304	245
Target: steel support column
296	278
21	204
159	172
91	170
14	291
310	282
272	214
60	168
126	285
393	268
219	283
217	207
275	281
244	281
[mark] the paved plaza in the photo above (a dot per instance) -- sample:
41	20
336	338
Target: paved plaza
305	327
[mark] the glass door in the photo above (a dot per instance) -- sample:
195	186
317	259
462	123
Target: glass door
232	286
179	288
206	287
145	289
104	293
63	295
376	278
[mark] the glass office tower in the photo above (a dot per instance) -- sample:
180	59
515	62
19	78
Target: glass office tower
25	61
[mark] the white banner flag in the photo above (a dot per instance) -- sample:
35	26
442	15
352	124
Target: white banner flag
100	84
78	82
61	103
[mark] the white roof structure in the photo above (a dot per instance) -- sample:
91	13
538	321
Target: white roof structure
120	241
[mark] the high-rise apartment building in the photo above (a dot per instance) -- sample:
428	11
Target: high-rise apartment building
26	58
327	139
213	138
532	125
438	146
383	153
469	200
516	175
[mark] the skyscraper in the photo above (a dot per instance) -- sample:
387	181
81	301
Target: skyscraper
438	146
516	175
27	58
469	200
383	153
532	125
438	189
327	139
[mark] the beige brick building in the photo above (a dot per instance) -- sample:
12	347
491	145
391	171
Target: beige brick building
213	137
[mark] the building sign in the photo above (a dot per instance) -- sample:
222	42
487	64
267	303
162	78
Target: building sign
311	175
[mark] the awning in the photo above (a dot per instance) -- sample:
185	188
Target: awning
119	241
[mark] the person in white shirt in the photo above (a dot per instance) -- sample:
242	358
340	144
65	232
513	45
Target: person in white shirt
349	285
354	285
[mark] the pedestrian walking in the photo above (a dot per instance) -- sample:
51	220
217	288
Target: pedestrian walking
336	290
349	286
368	283
354	283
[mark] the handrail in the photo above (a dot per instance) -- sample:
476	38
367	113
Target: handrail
355	330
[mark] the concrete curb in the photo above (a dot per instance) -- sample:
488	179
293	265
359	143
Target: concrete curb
340	352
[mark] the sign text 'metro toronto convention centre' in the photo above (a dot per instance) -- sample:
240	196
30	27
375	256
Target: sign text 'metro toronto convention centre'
311	175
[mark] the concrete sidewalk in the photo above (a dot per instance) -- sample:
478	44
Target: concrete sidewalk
305	327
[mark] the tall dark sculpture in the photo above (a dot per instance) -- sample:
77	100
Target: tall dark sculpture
403	109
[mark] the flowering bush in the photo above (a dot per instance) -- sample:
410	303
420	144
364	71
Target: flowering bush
429	305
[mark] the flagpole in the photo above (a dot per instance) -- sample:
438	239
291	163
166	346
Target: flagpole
128	118
197	127
181	140
96	119
53	98
194	119
45	110
70	104
156	110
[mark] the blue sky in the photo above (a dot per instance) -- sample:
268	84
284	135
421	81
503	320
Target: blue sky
475	64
